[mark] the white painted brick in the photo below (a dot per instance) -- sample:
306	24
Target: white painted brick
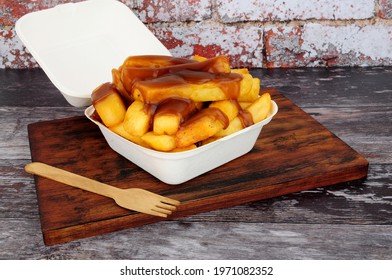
372	41
243	44
318	45
172	10
283	10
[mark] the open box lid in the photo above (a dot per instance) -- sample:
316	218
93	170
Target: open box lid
78	44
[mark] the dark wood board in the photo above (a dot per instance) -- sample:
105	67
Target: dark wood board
293	153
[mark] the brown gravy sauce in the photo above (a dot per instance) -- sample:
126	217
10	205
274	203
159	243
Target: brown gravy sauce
152	66
150	89
176	106
245	118
102	91
164	71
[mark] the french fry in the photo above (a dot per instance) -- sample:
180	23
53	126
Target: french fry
163	143
241	71
170	113
234	126
137	120
119	129
136	68
166	124
244	105
108	104
260	108
199	58
191	147
255	90
229	107
204	125
197	93
191	85
248	88
153	61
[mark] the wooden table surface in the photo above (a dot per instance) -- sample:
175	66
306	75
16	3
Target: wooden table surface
346	221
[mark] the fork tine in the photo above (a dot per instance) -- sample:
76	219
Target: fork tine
159	214
166	206
155	212
170	201
161	198
162	210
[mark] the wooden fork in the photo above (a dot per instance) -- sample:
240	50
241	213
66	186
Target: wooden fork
133	198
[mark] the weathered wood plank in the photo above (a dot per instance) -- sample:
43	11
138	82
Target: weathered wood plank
29	88
206	240
325	87
14	142
315	87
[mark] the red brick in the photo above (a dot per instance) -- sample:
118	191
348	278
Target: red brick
13	54
385	9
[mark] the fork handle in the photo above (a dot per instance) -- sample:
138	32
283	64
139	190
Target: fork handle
71	179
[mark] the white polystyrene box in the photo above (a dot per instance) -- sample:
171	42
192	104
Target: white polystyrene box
177	168
77	44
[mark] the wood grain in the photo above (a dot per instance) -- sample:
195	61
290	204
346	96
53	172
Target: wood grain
293	153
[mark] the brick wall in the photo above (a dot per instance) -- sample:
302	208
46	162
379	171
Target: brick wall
254	33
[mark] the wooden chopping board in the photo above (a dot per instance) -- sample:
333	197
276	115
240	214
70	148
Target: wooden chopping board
293	153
